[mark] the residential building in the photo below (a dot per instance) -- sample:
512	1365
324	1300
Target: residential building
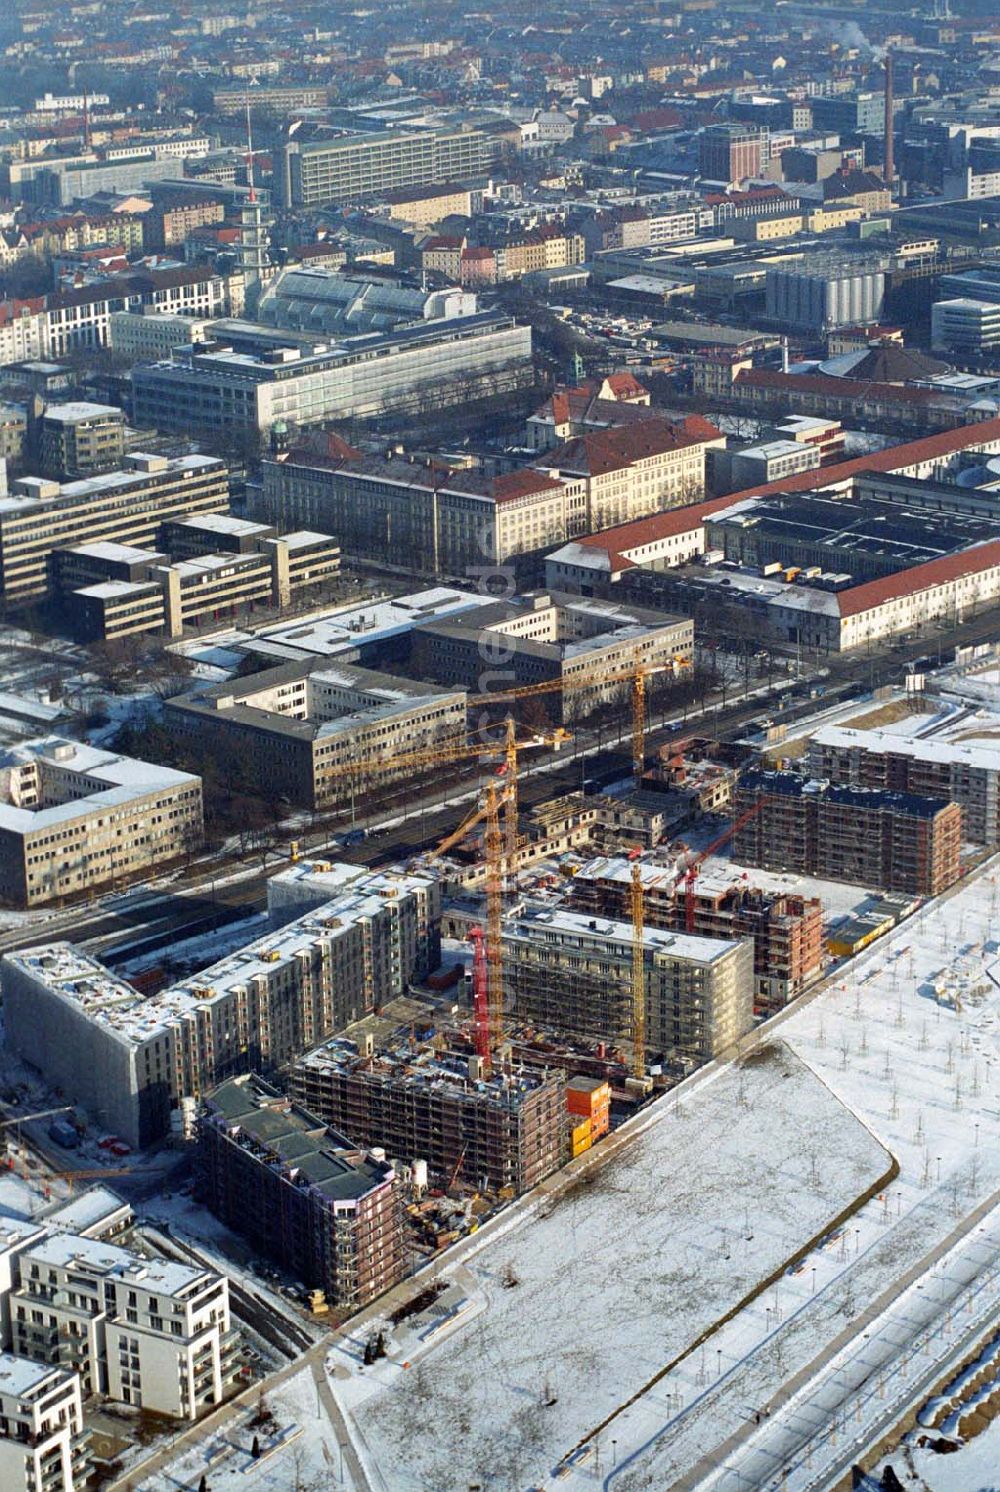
43	1443
966	772
429	204
174	217
324	1208
786	928
567	972
140	1064
504	1130
125	507
77	440
314	172
149	1333
889	841
75	818
316	735
591	649
415	368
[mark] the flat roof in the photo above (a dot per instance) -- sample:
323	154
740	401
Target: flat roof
119	780
540	919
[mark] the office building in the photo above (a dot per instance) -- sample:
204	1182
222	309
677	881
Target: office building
963	772
965	326
316	172
769	461
325	1208
139	1065
540	638
154	334
889	841
568	972
78	440
503	1131
124	507
413	369
145	1332
74	818
310	733
43	1445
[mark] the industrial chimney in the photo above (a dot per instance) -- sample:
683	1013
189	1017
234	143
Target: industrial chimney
888	169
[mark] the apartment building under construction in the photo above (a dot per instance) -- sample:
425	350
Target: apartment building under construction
787	930
321	1206
502	1131
565	971
891	841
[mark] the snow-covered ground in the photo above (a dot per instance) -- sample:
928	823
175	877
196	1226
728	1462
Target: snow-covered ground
611	1279
975	1467
620	1278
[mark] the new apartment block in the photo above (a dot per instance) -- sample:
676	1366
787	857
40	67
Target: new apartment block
74	818
325	1208
318	734
964	772
138	1064
43	1444
891	841
539	638
502	1131
566	971
787	930
150	1333
126	507
314	172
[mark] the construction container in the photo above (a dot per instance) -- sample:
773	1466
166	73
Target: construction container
590	1098
580	1137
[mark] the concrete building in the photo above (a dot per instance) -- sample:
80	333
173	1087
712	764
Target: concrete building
311	732
153	334
732	152
315	172
124	507
787	930
964	772
415	368
149	1333
321	1206
139	1065
965	326
769	461
74	818
78	440
506	1131
374	634
111	590
43	1444
890	841
565	971
540	638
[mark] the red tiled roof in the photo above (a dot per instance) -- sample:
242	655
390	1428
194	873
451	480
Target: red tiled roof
822	383
602	451
522	483
920	578
665	525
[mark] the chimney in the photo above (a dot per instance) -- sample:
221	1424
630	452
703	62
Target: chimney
888	170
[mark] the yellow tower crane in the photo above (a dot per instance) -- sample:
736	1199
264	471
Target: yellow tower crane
638	976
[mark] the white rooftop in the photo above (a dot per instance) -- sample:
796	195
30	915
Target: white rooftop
19	1376
339	631
981	754
539	919
111	780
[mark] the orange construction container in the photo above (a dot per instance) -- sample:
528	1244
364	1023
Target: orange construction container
580	1137
590	1098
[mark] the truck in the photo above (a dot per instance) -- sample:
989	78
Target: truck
63	1133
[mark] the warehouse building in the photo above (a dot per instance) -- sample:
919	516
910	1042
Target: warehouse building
125	507
787	930
75	818
544	638
502	1131
889	841
964	772
139	1065
566	971
297	729
322	1207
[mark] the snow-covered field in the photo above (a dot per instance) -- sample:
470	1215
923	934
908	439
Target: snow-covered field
973	1468
616	1278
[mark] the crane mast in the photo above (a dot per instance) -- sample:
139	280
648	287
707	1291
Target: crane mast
638	976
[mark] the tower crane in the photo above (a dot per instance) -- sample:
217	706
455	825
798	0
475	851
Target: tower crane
636	676
689	875
638	975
